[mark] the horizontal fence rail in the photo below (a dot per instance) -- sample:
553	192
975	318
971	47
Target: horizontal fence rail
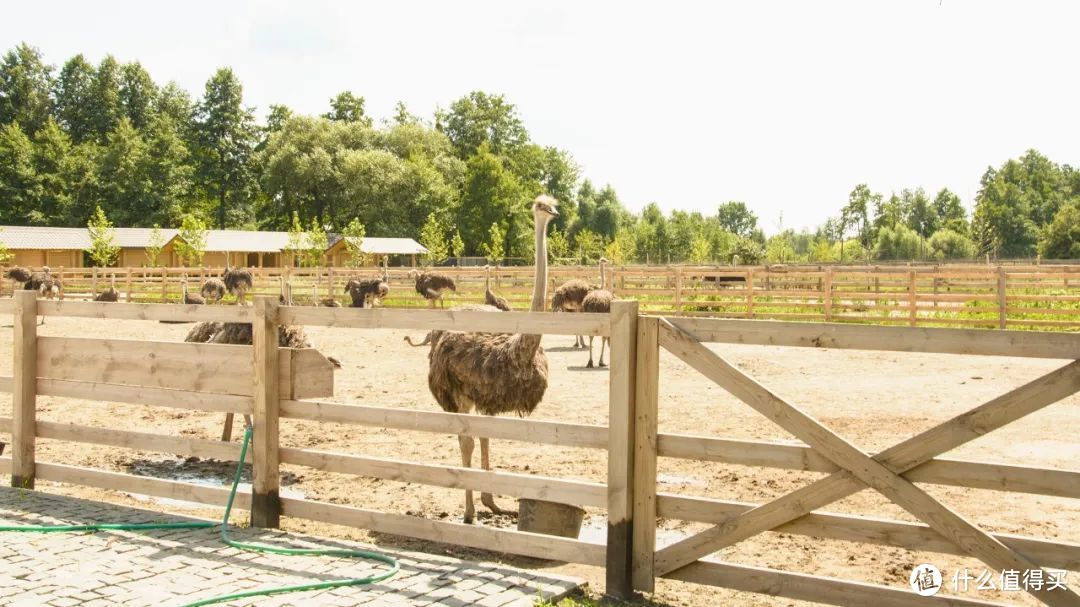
955	295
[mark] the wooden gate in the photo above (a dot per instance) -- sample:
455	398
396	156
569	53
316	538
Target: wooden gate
890	472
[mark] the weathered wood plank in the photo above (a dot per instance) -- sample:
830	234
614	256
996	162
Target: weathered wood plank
141	395
620	477
646	405
265	471
141	311
451	320
156	487
142	441
24	389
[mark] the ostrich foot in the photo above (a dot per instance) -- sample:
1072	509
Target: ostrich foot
601	364
489	502
590	365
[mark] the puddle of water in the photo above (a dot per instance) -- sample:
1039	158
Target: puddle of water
195	478
675	479
594	530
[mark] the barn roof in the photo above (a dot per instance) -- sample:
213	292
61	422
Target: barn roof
239	241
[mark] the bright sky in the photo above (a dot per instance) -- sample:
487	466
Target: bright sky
785	105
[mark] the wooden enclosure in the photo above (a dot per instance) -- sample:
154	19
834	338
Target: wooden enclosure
276	383
1016	296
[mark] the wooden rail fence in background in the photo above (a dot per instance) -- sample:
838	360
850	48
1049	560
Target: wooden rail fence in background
1015	296
187	380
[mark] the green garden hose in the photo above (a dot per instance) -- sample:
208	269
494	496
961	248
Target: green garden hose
362	554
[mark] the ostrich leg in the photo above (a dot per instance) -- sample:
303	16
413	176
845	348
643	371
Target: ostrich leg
467	444
485	463
226	432
590	365
603	342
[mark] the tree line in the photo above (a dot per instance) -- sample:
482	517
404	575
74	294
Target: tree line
84	136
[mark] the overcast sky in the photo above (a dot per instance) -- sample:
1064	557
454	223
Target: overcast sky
785	105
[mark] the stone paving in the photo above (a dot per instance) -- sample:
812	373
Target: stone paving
175	567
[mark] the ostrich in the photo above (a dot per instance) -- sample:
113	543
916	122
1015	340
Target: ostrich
491	298
16	275
494	372
374	288
188	297
238	282
328	302
45	284
432	285
598	301
110	294
213	289
568	298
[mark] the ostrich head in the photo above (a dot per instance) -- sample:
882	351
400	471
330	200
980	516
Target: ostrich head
413	274
545	208
46	269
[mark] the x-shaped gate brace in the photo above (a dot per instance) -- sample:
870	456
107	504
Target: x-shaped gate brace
882	472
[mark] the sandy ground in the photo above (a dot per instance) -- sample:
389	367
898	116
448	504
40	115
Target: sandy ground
874	399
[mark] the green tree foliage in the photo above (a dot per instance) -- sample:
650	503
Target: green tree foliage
950	212
346	107
1061	238
946	244
154	246
191	245
558	246
480	118
25	84
897	243
294	246
354	233
226	134
18	181
492	195
105	107
5	254
588	246
73	93
433	237
137	94
457	245
493	247
748	251
315	243
103	249
737	218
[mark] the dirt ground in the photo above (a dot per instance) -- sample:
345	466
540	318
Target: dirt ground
875	399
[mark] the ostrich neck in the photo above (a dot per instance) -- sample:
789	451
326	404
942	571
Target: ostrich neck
539	300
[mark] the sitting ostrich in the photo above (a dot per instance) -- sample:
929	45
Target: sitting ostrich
110	294
568	298
490	298
238	282
188	297
432	285
598	302
328	302
494	372
213	289
16	275
373	289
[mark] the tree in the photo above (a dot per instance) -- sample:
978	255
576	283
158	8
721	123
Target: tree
317	241
5	254
137	94
122	180
897	243
294	246
950	211
479	118
621	249
402	116
558	246
353	234
18	180
1061	239
457	245
278	116
191	245
736	218
949	244
433	237
491	195
226	134
25	84
103	249
700	249
154	246
73	94
105	108
493	248
346	107
587	246
856	214
52	158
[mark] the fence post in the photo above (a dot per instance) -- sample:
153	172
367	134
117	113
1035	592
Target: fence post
914	310
1002	316
24	390
93	282
678	290
265	505
826	294
128	287
620	489
750	293
645	418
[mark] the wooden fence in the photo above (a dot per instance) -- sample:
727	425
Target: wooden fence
1020	297
187	378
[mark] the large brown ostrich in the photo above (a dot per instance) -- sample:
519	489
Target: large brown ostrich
46	285
598	302
494	372
490	298
568	298
432	285
16	275
110	294
238	281
213	289
369	291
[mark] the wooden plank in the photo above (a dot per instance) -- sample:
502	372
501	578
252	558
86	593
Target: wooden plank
451	320
913	310
460	534
528	430
24	389
870	471
265	472
132	311
818	589
1027	344
827	294
1001	297
141	395
577	493
142	441
6	383
867	530
942	471
620	478
116	481
646	404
